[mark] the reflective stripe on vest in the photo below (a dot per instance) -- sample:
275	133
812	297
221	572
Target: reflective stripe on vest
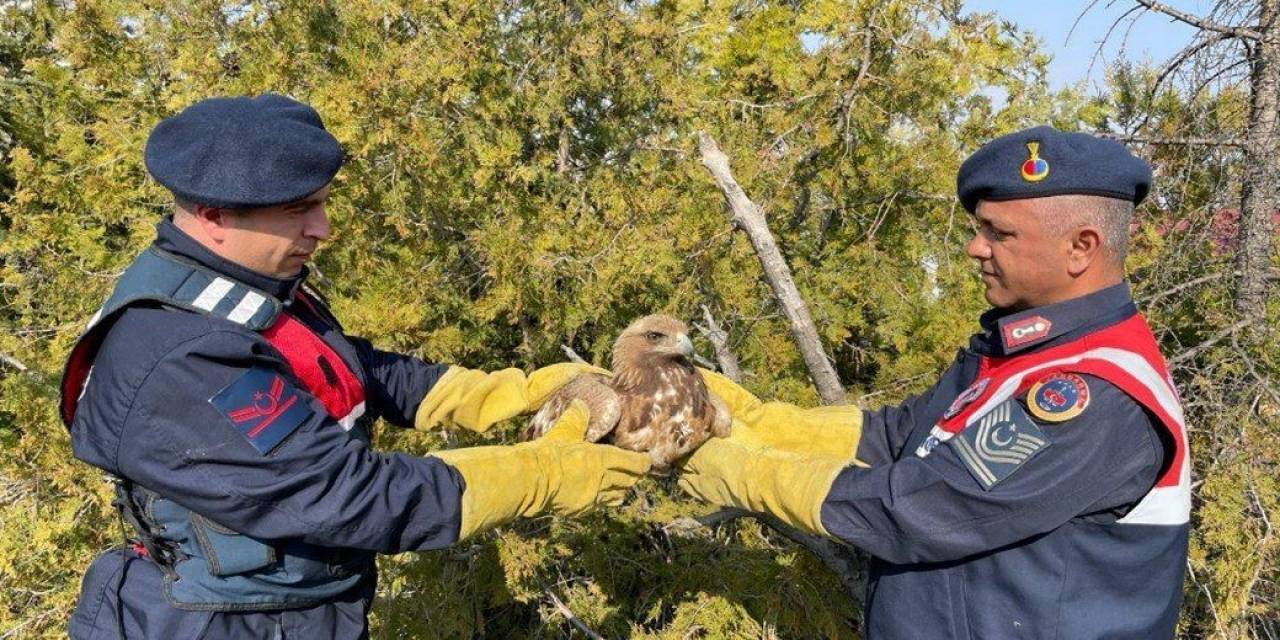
220	569
1125	355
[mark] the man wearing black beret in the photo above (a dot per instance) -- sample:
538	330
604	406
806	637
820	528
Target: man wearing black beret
233	412
1041	489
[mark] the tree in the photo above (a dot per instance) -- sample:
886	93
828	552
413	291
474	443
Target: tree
522	176
1235	34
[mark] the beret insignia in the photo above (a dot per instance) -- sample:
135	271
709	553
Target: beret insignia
1058	397
1035	168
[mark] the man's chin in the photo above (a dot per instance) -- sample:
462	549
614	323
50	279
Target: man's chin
996	300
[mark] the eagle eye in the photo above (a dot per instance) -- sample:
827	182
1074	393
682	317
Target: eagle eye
653	336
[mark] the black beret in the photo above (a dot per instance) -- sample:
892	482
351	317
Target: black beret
243	152
1042	161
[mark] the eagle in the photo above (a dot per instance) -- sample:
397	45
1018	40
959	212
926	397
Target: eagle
655	401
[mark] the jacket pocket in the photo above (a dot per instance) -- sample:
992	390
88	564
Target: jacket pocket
227	552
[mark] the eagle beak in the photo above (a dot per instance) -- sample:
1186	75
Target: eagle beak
685	346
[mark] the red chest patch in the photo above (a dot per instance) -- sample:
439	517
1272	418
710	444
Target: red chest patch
320	369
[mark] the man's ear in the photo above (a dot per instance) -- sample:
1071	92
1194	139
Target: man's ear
212	220
1085	250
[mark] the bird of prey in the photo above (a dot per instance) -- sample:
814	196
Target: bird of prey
655	401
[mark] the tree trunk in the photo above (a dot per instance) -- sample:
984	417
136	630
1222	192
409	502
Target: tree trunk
749	218
1261	181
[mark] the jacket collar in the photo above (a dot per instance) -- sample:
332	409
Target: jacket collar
1006	333
173	240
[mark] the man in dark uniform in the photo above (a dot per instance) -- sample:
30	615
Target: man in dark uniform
234	413
1041	489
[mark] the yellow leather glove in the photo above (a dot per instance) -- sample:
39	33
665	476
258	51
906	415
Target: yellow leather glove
476	400
831	431
559	472
735	472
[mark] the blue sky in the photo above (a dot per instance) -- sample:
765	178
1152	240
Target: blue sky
1153	36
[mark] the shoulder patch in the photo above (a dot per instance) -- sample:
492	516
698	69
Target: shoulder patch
1058	397
263	406
995	445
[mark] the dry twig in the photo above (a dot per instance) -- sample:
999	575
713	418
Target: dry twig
571	354
719	338
573	620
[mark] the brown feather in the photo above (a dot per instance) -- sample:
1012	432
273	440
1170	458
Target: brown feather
655	401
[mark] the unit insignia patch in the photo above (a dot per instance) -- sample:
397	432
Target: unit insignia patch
995	445
1058	397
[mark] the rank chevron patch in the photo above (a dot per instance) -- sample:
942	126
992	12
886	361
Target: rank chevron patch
995	445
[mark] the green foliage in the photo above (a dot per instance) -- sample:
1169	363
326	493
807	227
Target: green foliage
523	175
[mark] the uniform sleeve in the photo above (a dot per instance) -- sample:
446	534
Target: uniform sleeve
932	509
396	382
885	430
220	426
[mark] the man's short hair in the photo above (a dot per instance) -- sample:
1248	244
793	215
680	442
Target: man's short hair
1110	215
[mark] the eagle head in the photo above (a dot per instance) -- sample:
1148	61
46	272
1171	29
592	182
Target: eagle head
654	337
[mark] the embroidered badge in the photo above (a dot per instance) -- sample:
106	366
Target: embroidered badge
263	407
1058	397
1025	331
1035	168
994	446
965	397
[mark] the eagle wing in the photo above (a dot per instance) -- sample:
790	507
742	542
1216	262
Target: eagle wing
593	390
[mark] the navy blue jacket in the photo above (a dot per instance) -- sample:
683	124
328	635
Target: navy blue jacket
1040	554
146	415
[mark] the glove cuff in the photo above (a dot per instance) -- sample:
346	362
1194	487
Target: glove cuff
502	483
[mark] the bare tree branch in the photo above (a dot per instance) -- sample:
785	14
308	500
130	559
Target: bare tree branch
13	362
747	215
573	620
1176	62
846	100
572	355
1198	22
1182	286
1212	340
719	338
1183	141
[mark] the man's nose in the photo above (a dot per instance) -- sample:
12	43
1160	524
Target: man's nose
317	225
978	248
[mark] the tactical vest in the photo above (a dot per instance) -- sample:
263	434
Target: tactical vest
207	566
1125	355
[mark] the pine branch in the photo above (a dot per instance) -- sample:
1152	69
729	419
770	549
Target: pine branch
843	560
